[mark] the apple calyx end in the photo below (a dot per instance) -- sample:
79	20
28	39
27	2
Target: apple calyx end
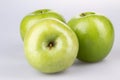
42	11
51	44
86	14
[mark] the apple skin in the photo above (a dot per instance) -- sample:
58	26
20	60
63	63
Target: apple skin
51	46
34	17
95	35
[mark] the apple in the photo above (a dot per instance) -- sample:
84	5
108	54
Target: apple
51	46
34	17
95	34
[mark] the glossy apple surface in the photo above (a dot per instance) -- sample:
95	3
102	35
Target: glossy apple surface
96	36
34	17
51	46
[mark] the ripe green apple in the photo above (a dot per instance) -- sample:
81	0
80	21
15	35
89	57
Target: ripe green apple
51	46
96	36
34	17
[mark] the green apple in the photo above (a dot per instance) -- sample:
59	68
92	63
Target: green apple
34	17
96	36
51	46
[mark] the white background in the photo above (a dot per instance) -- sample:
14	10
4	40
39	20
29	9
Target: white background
13	65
